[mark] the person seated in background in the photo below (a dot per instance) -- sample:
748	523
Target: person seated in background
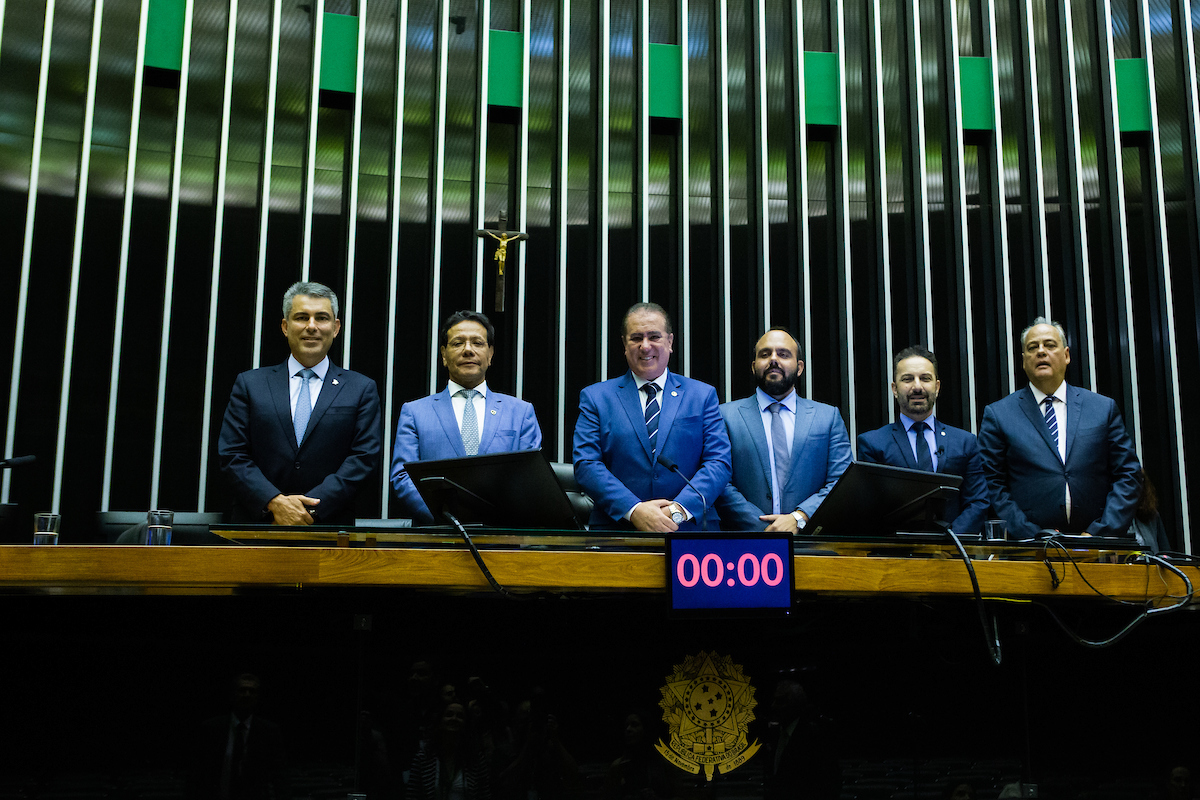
466	418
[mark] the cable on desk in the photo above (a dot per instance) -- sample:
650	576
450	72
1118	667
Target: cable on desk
487	573
1147	610
991	633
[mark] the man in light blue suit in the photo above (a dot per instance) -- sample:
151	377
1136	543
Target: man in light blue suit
464	419
919	440
632	428
788	452
1056	456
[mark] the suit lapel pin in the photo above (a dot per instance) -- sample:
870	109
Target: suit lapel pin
335	383
493	412
674	394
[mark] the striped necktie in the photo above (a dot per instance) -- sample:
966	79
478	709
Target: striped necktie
652	410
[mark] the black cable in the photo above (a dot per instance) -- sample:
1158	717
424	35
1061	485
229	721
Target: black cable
478	558
992	638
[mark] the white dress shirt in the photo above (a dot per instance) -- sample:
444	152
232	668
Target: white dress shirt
1060	414
460	403
314	384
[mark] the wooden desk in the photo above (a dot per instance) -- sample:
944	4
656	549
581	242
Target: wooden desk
929	572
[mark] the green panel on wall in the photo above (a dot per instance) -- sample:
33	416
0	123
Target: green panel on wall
975	93
1133	94
164	34
821	105
504	68
666	81
339	52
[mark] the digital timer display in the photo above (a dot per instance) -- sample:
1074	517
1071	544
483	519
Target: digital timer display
730	574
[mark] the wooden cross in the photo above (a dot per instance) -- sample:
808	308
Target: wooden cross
503	236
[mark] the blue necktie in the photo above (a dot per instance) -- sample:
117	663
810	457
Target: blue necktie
924	461
303	406
1051	420
779	447
652	410
470	423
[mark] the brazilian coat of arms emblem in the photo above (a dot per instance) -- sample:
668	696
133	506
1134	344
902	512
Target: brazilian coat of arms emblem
708	704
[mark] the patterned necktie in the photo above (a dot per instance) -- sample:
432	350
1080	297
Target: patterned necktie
923	459
652	410
779	447
303	406
1051	419
470	423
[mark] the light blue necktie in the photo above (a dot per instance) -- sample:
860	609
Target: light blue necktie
470	423
783	456
303	406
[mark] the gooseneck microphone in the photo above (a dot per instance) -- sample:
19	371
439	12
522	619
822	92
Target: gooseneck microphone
17	461
671	465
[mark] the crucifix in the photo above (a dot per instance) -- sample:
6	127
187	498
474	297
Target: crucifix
503	236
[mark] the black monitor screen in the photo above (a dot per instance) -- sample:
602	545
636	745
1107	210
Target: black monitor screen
879	500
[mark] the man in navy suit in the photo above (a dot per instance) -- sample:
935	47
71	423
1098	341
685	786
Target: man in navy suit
300	438
788	452
627	424
447	424
1056	456
918	440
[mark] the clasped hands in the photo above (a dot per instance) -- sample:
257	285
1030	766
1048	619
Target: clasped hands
292	509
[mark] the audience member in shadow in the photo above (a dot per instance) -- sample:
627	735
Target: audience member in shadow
640	772
420	706
449	765
799	756
543	765
958	790
239	755
1179	784
1147	526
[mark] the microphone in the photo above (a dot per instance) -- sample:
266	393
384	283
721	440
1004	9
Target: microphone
17	461
671	465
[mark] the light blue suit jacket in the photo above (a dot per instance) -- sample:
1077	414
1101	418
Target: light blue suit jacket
428	430
615	465
820	454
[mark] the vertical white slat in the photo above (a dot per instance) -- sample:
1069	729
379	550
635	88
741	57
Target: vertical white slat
35	167
1000	201
522	197
439	190
1191	93
352	209
264	200
1162	249
1037	180
921	176
389	406
1119	216
602	171
1077	201
564	116
843	219
1	26
218	235
481	141
958	190
310	160
802	229
685	193
643	144
85	160
883	231
172	242
760	110
135	118
723	210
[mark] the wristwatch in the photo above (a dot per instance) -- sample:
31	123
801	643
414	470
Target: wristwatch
800	520
677	515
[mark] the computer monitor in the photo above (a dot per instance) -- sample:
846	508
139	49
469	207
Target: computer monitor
871	500
503	490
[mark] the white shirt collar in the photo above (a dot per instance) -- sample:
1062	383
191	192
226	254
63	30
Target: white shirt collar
1059	394
320	369
660	381
454	388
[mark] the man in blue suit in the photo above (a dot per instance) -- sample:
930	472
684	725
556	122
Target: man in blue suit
918	440
300	438
788	452
464	419
1056	456
629	426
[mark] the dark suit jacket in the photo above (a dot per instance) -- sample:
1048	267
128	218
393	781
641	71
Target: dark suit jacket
428	430
613	460
264	767
258	451
820	454
958	454
1028	482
